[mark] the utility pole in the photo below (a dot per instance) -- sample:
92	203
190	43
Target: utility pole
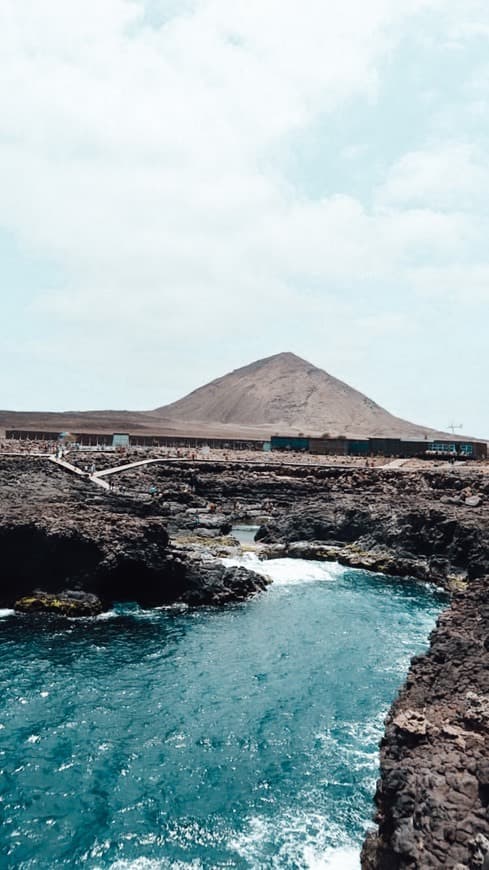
454	426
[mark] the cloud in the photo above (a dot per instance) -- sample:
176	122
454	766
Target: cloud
454	176
119	139
140	150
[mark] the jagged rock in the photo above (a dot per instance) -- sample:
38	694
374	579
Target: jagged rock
433	791
70	603
405	841
479	848
59	532
411	722
211	582
476	711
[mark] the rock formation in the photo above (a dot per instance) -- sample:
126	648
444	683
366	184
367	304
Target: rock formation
433	794
60	535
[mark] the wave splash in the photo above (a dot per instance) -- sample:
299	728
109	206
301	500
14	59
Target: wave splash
289	572
341	858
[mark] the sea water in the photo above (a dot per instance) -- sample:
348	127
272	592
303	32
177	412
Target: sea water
205	738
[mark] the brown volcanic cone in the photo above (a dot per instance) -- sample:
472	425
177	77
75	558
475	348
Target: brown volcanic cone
285	393
280	394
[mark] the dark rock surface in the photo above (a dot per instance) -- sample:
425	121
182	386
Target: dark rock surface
59	532
406	524
420	541
433	794
69	603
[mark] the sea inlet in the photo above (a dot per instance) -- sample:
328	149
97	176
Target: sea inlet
243	737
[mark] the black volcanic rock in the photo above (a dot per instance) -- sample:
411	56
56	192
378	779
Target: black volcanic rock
433	794
403	523
408	538
69	603
60	533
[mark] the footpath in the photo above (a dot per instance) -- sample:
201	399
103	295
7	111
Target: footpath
63	463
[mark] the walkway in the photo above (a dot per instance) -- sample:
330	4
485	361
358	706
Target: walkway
98	476
63	463
118	468
396	463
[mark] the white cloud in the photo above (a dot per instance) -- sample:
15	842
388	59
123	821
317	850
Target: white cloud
143	159
125	139
452	176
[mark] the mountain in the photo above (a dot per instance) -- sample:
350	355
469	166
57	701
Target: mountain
282	394
285	393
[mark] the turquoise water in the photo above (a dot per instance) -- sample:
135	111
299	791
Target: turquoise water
244	737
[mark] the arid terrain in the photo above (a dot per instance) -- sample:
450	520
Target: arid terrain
277	395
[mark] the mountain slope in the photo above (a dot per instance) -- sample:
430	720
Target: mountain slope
286	393
282	394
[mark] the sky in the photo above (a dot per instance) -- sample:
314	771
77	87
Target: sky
189	185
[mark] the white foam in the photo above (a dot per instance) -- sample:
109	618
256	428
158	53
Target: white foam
137	864
342	858
153	864
296	841
289	572
332	858
6	612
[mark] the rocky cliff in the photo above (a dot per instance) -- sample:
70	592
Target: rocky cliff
61	534
433	794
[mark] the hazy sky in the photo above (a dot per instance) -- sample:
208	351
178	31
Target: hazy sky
189	185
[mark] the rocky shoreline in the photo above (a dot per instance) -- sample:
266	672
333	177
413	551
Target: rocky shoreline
433	793
157	538
61	536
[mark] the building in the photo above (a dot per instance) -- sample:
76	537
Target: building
404	448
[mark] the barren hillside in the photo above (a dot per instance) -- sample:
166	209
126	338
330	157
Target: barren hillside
286	393
280	394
